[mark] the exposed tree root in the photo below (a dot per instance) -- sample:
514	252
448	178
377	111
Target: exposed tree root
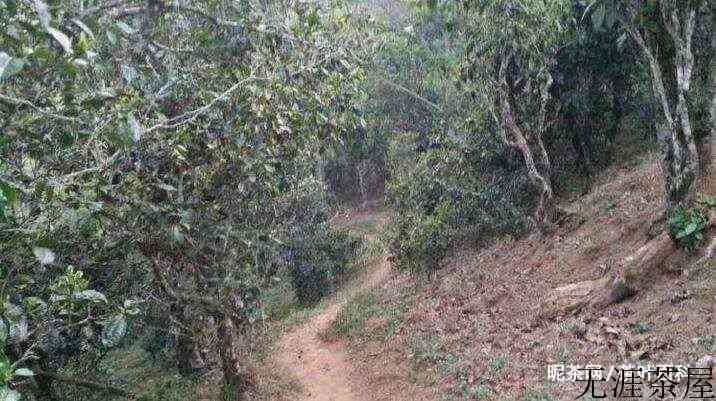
602	292
605	291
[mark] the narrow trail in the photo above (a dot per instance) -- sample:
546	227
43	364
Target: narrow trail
324	369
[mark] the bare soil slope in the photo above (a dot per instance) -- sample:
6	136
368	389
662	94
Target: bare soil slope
476	326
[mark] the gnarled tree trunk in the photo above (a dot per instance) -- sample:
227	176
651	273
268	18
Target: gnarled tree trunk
188	355
681	159
227	316
539	177
681	170
235	375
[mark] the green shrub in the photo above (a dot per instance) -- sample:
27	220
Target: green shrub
686	226
318	263
421	241
449	194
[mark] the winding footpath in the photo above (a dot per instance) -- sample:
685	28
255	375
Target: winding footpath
324	369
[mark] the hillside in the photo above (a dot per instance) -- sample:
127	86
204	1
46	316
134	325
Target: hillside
474	330
357	200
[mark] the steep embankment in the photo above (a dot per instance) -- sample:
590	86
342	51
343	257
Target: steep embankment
476	325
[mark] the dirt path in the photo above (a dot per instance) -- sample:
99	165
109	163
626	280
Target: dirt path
323	369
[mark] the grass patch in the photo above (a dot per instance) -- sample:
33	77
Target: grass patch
135	369
372	249
498	364
352	316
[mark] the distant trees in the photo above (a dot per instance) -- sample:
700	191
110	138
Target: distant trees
540	93
440	186
597	84
666	42
548	84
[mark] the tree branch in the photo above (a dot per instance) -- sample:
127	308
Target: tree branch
192	115
214	307
16	101
411	93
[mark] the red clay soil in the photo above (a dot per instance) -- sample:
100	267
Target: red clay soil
481	312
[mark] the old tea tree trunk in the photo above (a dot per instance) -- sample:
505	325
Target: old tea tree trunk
683	175
710	181
227	312
538	169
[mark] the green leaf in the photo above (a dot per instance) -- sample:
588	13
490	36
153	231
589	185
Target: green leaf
14	66
114	330
9	193
64	41
97	99
131	307
24	372
111	38
128	73
313	18
5	369
95	206
166	187
176	234
43	255
54	298
90	295
691	228
18	330
709	201
126	29
80	63
35	306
